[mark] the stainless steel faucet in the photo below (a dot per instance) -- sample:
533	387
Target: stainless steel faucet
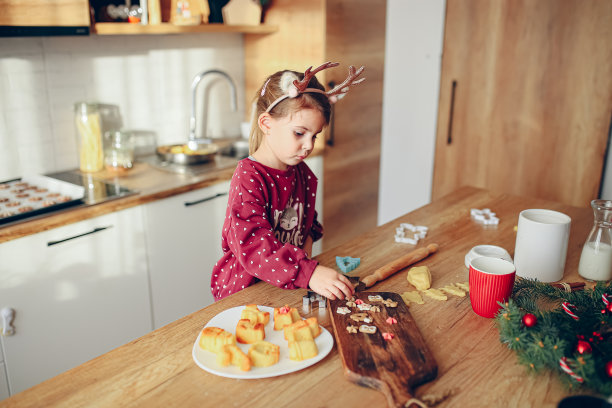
193	140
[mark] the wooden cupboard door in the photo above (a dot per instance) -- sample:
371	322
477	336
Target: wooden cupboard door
530	110
355	36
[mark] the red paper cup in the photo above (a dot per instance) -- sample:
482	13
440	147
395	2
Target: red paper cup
491	281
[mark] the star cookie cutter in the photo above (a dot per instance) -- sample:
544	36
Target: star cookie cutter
410	234
484	216
346	263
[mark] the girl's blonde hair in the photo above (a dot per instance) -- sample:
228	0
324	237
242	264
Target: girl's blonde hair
271	90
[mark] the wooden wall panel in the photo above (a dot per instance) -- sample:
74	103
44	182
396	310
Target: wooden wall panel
355	36
533	100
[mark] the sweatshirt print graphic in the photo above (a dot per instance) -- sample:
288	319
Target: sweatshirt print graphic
269	214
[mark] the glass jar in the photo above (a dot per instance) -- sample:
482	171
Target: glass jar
119	153
89	140
596	259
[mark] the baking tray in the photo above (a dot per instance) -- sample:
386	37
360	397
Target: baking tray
34	195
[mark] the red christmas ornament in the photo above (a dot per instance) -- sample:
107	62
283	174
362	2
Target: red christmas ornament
609	368
609	307
529	320
583	347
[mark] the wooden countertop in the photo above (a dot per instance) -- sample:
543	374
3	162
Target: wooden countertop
157	369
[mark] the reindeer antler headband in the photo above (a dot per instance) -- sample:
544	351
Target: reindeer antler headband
292	87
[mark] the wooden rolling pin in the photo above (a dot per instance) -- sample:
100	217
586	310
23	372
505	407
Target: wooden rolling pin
399	264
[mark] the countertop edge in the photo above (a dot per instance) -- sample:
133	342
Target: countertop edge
72	214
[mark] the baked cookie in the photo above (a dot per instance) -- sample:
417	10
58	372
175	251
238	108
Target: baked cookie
367	329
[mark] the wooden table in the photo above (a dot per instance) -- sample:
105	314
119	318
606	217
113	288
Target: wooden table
157	369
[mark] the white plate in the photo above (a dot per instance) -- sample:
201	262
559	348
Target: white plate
228	319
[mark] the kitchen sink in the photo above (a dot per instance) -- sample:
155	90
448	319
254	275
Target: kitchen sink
238	149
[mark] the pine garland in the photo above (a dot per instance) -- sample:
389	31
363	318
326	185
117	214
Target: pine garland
552	341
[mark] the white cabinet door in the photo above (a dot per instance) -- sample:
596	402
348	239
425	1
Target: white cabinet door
4	391
316	165
78	291
184	243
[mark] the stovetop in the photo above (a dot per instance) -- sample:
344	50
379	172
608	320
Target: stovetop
29	201
96	191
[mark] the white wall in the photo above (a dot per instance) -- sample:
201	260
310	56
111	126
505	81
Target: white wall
413	57
149	77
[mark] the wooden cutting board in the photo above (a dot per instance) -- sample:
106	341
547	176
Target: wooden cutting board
393	366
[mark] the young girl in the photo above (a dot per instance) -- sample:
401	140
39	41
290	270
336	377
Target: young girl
271	221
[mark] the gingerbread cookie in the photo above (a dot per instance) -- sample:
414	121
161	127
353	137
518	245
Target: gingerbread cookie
361	317
367	329
364	306
390	303
343	310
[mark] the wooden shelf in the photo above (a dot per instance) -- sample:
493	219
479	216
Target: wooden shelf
167	28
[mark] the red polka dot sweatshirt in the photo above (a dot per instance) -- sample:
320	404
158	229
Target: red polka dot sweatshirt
270	213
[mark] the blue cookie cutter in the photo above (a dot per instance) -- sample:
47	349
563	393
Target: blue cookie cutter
346	263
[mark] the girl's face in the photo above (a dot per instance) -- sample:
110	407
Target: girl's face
289	140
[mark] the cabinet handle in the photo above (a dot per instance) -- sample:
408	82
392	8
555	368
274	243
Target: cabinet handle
330	139
189	203
449	138
93	231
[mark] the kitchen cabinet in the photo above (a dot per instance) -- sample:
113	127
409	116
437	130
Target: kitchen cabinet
78	291
525	98
44	13
168	28
316	165
311	32
183	244
44	17
4	390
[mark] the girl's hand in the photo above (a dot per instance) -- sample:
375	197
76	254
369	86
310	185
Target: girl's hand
329	283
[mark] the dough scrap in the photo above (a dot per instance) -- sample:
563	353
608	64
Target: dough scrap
463	285
412	297
435	294
453	290
419	277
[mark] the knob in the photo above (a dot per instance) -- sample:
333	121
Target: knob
8	315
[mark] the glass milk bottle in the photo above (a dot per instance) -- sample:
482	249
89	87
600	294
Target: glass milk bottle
91	154
596	258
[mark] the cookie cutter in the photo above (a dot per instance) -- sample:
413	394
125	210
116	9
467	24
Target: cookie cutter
410	234
484	216
346	263
312	297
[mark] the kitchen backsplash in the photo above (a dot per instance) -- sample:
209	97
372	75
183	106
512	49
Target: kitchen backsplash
148	77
